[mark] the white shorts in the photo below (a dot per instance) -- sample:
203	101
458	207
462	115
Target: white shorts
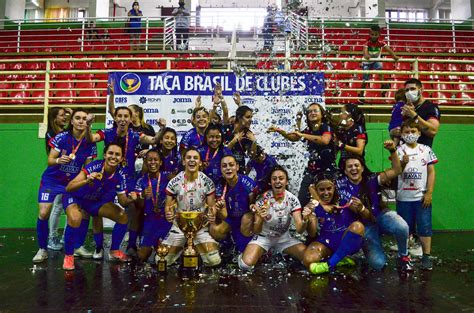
279	243
176	237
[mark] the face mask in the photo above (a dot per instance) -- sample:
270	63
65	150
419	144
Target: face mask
410	138
413	95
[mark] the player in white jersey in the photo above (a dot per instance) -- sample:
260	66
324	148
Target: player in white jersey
192	190
274	210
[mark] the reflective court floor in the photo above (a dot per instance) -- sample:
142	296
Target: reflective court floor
278	285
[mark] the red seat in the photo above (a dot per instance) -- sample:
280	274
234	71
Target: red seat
154	65
22	86
19	97
91	96
116	65
99	65
63	85
132	65
63	96
85	84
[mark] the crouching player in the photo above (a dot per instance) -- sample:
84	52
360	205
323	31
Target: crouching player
93	190
340	234
192	190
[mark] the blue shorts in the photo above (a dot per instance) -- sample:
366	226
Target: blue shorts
414	212
90	206
49	189
239	239
331	240
155	227
370	67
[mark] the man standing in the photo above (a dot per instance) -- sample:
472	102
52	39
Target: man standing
182	26
423	111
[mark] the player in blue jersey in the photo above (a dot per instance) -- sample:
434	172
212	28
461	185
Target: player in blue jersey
340	232
263	165
358	181
151	188
235	192
122	133
69	152
168	147
212	152
93	191
194	138
319	138
274	209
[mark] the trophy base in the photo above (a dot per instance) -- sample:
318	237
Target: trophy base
161	267
189	266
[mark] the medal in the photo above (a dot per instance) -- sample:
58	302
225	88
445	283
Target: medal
72	156
213	156
153	199
124	163
99	176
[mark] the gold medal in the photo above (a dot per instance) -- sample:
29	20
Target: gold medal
72	156
124	163
99	176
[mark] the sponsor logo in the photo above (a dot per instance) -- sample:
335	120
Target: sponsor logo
142	100
121	100
277	144
313	100
130	82
248	101
281	111
284	122
152	110
182	100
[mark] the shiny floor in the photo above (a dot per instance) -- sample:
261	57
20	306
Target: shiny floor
276	286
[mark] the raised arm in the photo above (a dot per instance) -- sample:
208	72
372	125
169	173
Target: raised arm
323	140
428	127
299	223
396	169
293	136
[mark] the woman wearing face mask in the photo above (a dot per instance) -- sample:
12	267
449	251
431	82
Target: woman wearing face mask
123	135
340	234
423	111
70	152
274	210
318	136
194	138
358	182
351	135
212	152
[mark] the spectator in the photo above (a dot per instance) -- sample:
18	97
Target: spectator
134	25
182	26
92	34
423	111
394	127
373	49
268	29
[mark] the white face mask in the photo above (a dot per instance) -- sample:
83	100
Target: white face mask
413	95
410	138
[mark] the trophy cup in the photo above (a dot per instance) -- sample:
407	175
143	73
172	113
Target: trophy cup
129	82
190	223
162	251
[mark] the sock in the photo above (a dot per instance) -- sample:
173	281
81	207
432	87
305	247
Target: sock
99	241
81	234
42	231
350	244
70	235
117	235
132	238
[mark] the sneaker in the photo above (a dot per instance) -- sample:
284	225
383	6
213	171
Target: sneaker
118	255
415	250
54	243
40	256
319	268
404	263
98	254
68	263
347	261
426	263
82	252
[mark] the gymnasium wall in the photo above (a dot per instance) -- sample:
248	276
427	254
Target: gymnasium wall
24	159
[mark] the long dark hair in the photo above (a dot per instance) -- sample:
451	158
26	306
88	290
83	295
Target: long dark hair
70	127
330	176
168	130
139	110
122	108
52	114
213	126
268	178
324	118
356	114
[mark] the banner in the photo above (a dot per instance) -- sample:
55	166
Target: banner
276	98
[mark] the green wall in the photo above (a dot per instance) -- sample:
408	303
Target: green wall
24	159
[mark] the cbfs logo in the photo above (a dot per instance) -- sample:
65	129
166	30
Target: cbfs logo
130	82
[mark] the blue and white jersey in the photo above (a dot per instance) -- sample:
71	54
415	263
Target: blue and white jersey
213	161
237	197
66	144
347	189
171	164
156	204
191	139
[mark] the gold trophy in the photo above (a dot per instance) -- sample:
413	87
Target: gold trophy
162	251
129	82
190	223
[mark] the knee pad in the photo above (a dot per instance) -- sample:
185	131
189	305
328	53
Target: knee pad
170	258
242	264
211	258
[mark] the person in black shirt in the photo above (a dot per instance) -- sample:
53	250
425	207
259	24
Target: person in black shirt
318	135
424	112
351	136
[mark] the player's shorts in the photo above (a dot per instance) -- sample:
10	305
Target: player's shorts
176	237
331	240
155	227
279	243
90	206
48	190
240	240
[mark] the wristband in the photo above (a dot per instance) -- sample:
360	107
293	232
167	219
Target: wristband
57	161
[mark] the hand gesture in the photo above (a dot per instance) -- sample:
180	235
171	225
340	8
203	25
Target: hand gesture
90	119
250	136
218	91
211	215
272	129
220	204
148	192
162	122
110	86
307	211
133	196
355	205
405	158
389	145
64	159
408	109
198	103
239	136
236	98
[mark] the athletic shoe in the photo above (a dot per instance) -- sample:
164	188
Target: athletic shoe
54	243
68	263
98	254
404	263
426	263
415	250
40	256
319	268
82	252
118	255
347	261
